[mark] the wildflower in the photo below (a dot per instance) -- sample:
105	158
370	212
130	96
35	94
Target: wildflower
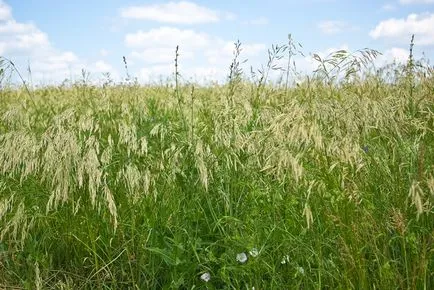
254	252
300	270
205	277
242	258
285	260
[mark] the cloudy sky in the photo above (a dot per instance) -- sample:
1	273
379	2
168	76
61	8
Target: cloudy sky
59	38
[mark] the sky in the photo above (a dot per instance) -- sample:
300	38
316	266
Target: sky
57	39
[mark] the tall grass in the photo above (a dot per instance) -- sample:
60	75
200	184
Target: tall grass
326	184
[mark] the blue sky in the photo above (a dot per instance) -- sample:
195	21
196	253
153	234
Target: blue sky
59	38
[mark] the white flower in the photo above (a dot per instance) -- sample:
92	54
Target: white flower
242	258
300	270
254	252
205	276
285	260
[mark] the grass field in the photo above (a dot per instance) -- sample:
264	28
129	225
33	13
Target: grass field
324	184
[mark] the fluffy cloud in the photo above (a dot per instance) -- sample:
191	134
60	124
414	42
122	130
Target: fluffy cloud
22	42
391	55
163	40
201	74
397	54
158	55
10	26
223	52
166	37
173	12
400	30
154	72
202	56
20	37
5	11
55	62
102	66
25	43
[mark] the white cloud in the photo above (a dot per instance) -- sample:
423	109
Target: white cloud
307	64
249	50
155	55
391	55
54	63
24	39
21	37
152	73
400	30
25	43
201	74
5	11
207	73
333	26
399	55
223	52
102	66
31	40
167	37
202	56
182	12
406	2
13	27
67	57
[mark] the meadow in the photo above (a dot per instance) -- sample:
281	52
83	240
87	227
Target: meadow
323	183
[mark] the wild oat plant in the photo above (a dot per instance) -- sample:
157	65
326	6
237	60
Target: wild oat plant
324	184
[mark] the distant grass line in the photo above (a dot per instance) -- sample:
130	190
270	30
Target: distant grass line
326	184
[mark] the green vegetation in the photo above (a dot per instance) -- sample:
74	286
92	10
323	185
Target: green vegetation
327	184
